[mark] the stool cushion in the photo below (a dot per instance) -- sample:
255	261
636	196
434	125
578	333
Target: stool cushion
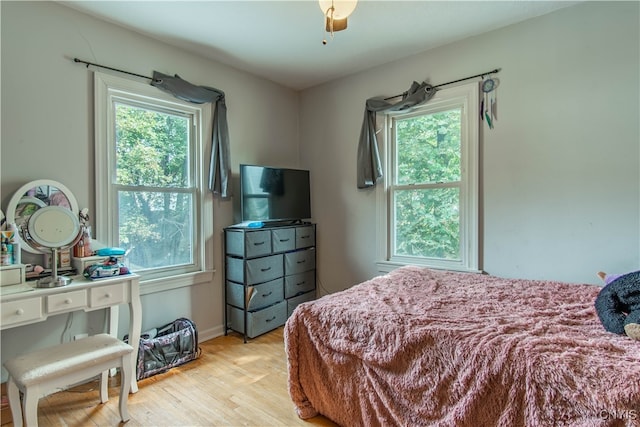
62	359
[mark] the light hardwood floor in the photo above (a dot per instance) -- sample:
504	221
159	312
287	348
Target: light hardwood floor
230	384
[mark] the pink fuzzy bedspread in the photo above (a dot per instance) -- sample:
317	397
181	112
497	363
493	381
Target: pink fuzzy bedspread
420	347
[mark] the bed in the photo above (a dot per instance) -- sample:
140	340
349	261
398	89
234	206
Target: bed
422	347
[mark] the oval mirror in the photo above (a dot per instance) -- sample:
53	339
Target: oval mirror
33	196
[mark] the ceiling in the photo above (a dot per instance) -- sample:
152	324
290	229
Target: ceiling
282	40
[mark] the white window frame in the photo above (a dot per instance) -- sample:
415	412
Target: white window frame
467	98
109	89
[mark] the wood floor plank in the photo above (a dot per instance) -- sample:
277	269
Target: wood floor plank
230	384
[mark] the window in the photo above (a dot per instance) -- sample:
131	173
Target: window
429	209
149	181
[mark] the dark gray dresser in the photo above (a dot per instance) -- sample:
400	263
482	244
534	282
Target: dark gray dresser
268	272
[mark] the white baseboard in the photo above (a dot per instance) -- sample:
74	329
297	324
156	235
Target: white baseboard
210	333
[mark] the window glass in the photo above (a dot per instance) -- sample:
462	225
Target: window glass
428	148
427	223
156	228
152	147
152	152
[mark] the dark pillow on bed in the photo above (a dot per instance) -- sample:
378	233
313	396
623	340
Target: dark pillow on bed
618	305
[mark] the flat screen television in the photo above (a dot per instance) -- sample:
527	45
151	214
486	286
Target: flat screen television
274	194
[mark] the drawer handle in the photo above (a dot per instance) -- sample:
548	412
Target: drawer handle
68	301
107	295
305	237
19	312
269	320
302	262
284	240
266	295
258	243
301	283
265	269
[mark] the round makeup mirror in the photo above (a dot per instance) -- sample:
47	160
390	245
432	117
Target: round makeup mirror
34	196
46	213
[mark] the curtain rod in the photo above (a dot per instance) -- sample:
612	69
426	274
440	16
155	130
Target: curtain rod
497	70
110	68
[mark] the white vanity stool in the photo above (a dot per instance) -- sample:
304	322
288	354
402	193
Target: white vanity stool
56	368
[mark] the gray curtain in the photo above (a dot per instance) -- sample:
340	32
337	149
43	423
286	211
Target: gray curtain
220	167
369	164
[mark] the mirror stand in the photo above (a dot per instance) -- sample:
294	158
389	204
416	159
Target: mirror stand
54	280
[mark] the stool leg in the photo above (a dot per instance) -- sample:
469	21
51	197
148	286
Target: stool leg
104	383
13	393
125	383
30	407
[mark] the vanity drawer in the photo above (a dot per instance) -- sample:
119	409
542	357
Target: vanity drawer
66	301
248	244
298	283
305	237
283	239
254	271
24	310
12	274
108	295
292	303
259	322
300	261
258	296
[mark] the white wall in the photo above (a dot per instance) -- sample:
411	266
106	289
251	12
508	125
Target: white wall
560	171
47	132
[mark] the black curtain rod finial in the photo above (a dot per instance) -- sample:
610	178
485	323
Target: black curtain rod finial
497	70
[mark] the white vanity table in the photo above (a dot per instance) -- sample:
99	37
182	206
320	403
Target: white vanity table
46	216
34	306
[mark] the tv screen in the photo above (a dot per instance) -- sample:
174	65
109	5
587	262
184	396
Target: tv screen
274	194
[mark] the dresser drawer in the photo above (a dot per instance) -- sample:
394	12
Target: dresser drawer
66	302
299	283
107	295
300	261
257	270
258	296
248	244
24	310
292	303
283	239
258	322
305	236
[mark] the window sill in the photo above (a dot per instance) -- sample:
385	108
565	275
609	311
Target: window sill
153	286
388	266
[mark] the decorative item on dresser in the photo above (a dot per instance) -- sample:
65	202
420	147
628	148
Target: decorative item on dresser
269	271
